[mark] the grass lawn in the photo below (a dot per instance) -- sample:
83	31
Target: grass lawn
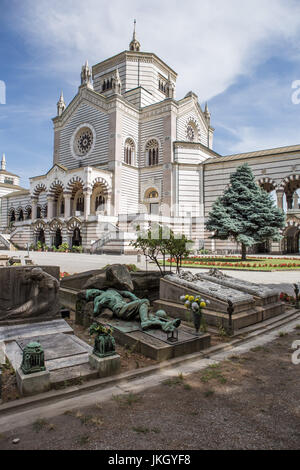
231	262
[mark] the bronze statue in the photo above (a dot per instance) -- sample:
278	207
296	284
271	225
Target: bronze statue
135	308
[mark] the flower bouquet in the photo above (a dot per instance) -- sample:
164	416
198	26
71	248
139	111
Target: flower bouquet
194	306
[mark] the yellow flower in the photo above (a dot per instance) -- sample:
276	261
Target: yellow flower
187	297
191	298
197	299
203	304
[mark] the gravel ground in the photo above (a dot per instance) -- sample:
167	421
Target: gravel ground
247	402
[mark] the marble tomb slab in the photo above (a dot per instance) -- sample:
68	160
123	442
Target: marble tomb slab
55	346
153	343
172	287
26	330
264	293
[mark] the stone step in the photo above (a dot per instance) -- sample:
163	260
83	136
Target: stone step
240	320
75	373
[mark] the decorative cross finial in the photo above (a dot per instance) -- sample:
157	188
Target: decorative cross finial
134	45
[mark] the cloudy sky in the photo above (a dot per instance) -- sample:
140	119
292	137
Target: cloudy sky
240	56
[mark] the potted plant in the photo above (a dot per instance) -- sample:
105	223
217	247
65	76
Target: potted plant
195	305
39	246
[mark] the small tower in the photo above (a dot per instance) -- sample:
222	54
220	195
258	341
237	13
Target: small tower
207	114
3	162
86	75
134	45
116	82
61	105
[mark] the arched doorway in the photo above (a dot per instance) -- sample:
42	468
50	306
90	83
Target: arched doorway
291	240
76	238
41	236
152	201
264	247
58	238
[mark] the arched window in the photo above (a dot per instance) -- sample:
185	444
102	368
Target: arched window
80	203
21	215
153	194
152	152
129	148
12	216
99	203
28	212
38	212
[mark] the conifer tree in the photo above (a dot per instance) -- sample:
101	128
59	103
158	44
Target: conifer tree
245	213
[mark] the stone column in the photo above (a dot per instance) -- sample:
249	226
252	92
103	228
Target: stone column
34	202
87	203
169	129
115	154
67	198
50	203
296	201
280	199
108	204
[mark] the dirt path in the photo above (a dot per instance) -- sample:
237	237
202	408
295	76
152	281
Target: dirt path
246	402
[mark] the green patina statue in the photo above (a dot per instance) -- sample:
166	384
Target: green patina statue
104	341
135	308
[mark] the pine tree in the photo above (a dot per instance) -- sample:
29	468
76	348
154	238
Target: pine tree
245	213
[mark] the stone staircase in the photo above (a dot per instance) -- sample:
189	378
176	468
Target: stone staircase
5	242
116	242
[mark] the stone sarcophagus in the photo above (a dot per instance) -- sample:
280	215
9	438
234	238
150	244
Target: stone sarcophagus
250	303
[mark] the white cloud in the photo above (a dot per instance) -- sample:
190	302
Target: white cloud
210	44
261	115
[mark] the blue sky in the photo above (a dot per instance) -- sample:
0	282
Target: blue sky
240	56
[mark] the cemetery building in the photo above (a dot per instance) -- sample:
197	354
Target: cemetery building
128	153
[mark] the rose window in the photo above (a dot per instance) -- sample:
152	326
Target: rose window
83	141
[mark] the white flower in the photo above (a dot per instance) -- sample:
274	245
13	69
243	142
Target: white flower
187	303
195	306
182	298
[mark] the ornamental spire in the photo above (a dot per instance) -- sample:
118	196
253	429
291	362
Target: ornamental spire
207	113
3	162
86	75
61	105
134	45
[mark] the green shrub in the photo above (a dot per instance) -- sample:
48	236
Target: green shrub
63	247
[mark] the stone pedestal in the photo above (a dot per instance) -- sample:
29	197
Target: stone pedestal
105	366
31	384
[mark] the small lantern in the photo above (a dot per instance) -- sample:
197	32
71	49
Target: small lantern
172	336
33	358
